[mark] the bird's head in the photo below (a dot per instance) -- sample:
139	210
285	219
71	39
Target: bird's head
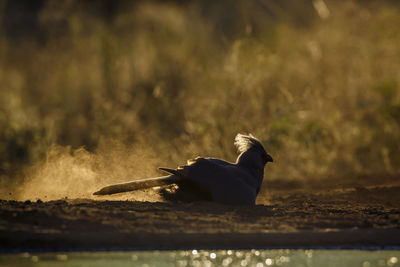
252	151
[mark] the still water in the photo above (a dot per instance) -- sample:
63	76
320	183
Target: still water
258	258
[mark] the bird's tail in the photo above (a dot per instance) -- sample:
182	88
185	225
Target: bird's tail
172	171
139	184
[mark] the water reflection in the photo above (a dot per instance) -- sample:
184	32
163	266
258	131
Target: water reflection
258	258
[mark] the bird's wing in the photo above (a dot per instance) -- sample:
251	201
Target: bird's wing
219	162
184	169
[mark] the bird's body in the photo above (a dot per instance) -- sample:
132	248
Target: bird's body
226	182
221	181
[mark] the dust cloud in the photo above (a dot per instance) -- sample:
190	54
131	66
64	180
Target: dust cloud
70	174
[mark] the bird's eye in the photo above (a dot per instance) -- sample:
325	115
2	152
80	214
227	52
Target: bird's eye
266	157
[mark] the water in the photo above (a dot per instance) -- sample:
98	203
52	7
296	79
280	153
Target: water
258	258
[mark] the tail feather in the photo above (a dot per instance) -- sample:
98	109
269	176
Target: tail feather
139	184
172	171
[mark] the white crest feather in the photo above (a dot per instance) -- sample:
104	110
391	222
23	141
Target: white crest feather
245	142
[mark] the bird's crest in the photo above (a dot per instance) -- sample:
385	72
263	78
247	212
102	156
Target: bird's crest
245	142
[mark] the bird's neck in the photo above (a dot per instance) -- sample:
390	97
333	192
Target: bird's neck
246	159
255	167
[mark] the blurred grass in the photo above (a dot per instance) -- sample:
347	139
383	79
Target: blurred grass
319	85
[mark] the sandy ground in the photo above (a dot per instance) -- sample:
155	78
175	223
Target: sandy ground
354	217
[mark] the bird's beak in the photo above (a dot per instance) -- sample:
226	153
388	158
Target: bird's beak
269	158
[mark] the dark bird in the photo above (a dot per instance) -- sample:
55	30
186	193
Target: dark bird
210	178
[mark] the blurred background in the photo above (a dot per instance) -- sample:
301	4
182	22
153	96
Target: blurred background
103	91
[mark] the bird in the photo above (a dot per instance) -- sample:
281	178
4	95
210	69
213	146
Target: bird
211	179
